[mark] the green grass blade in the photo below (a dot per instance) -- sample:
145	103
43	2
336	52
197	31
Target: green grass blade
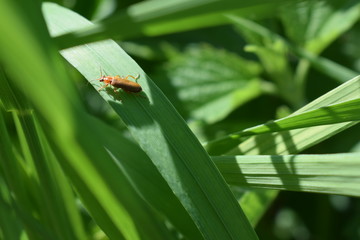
53	193
327	173
326	66
10	226
255	202
50	188
103	187
294	141
161	133
159	17
19	183
288	142
147	180
338	113
349	91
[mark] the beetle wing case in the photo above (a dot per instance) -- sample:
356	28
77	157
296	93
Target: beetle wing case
126	85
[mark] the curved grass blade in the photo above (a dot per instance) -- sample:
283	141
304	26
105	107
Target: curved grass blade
294	141
327	173
49	189
161	133
288	142
338	113
349	91
158	17
15	176
147	180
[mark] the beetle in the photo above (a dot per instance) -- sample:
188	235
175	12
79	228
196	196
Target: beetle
121	82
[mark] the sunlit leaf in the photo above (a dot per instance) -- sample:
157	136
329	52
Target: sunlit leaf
210	83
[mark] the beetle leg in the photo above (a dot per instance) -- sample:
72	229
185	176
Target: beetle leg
103	87
136	78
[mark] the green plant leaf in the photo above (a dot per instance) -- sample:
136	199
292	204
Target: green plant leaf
273	50
318	23
327	173
210	83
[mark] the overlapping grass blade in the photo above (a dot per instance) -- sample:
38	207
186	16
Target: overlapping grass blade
50	189
349	91
161	133
11	227
327	173
53	193
324	65
288	142
294	141
339	113
103	187
159	17
18	185
147	180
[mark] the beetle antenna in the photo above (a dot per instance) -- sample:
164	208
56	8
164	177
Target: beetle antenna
90	81
101	73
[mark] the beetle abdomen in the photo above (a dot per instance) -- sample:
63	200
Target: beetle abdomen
126	85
